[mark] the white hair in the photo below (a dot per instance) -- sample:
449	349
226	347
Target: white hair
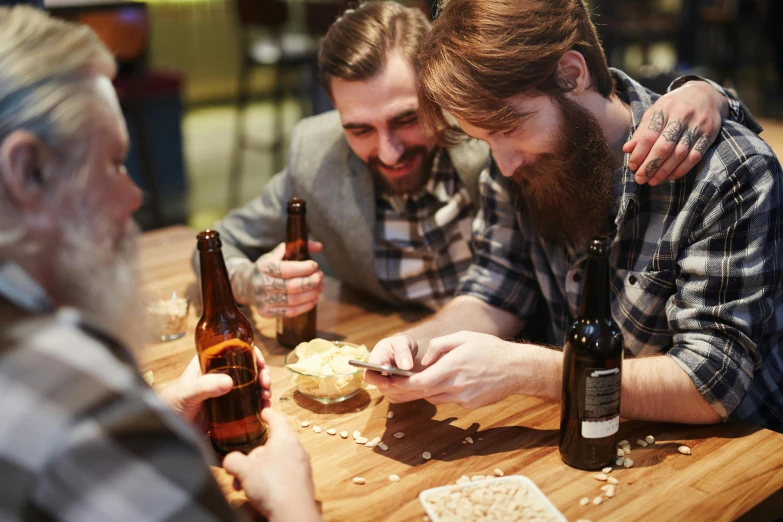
44	63
45	67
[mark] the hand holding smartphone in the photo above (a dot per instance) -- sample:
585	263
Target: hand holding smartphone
383	369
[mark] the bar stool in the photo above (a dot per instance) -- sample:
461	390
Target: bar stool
280	51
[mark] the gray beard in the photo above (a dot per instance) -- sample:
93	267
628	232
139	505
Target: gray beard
100	280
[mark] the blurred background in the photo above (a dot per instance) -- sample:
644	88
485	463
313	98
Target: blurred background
212	88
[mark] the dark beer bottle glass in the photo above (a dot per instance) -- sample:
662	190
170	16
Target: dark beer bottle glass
294	330
224	341
592	371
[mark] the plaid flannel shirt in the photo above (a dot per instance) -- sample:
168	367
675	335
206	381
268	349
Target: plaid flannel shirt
82	437
422	241
696	268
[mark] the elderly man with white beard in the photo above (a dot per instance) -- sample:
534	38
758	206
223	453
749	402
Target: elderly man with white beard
82	437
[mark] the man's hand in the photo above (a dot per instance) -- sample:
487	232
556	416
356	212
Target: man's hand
279	288
276	477
187	394
675	133
467	368
398	350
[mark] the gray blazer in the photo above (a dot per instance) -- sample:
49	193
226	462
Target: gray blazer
340	196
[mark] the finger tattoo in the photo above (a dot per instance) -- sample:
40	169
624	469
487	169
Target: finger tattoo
259	284
307	283
656	122
271	268
673	131
703	143
276	299
690	136
651	167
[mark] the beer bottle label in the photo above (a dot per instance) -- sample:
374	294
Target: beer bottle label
602	403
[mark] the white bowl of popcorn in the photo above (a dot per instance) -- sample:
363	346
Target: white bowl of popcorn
320	371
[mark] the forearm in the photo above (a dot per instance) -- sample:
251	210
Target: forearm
303	511
536	371
657	389
653	388
465	313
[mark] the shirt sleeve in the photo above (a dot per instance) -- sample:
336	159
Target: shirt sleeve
502	273
738	112
729	284
126	461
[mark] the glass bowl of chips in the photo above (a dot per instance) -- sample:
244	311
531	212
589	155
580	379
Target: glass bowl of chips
320	371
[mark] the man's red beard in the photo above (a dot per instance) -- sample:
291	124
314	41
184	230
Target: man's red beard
568	194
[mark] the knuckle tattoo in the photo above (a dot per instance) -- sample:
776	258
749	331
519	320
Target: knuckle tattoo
690	136
673	131
276	299
656	122
652	167
307	283
272	268
703	144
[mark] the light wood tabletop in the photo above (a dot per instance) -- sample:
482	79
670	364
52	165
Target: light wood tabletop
734	471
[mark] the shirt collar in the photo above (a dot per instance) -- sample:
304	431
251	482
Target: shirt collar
19	287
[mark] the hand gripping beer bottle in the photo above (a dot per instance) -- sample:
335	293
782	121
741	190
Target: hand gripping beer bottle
224	341
592	371
294	330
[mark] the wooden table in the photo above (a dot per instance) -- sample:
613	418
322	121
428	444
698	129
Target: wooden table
734	471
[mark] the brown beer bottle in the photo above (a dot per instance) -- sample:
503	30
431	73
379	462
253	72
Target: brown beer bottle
592	371
294	330
224	341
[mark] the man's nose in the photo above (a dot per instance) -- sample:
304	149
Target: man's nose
390	149
506	162
135	197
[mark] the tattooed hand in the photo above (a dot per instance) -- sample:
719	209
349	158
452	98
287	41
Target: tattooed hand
675	133
275	287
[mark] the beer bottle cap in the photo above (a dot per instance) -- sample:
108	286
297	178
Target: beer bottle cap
599	246
297	206
208	240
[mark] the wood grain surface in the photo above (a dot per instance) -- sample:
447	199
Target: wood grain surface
734	470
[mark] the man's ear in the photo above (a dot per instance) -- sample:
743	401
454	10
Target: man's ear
572	72
21	167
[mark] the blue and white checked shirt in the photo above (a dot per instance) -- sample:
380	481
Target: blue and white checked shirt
696	268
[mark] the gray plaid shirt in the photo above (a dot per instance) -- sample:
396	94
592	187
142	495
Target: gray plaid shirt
82	437
696	268
422	240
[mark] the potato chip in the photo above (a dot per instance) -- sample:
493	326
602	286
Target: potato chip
316	346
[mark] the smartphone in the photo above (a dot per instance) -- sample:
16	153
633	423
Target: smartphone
382	368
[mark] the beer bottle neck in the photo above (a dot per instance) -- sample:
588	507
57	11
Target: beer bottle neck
296	238
215	285
595	301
